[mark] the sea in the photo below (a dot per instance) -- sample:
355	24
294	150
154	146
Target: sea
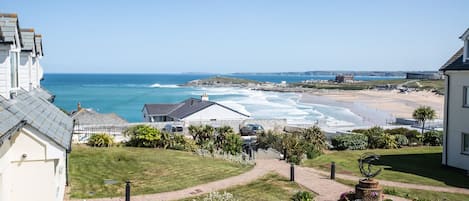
125	95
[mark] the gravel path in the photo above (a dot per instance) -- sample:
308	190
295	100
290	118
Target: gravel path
327	190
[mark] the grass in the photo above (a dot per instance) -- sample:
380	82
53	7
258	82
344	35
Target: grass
271	187
149	170
418	165
415	195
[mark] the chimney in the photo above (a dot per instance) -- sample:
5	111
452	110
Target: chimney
78	106
204	97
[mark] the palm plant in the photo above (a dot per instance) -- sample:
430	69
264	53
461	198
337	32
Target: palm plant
424	113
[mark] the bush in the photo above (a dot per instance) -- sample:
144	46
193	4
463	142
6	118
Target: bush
433	138
233	144
397	131
302	196
362	131
401	140
269	139
216	196
354	141
101	140
143	136
389	141
414	137
375	137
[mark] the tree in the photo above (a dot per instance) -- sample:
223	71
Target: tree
221	134
424	113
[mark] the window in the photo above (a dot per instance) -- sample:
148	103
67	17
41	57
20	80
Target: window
466	97
14	69
465	143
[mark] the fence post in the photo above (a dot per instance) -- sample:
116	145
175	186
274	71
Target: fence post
333	170
292	172
127	190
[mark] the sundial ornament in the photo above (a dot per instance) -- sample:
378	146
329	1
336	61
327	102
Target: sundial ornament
366	165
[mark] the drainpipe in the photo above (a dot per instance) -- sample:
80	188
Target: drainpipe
447	116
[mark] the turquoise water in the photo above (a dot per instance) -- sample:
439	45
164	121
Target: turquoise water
126	95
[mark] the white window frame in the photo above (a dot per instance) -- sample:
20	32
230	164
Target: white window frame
463	149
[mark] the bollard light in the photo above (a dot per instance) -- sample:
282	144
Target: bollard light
292	172
333	170
127	190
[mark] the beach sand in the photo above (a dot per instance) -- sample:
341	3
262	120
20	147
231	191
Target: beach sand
378	107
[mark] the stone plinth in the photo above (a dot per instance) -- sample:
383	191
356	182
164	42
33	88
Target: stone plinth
368	190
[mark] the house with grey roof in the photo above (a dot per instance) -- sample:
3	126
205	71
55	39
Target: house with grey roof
456	129
192	109
35	135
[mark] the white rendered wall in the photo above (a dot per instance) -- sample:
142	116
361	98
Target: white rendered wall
34	72
32	167
215	112
457	120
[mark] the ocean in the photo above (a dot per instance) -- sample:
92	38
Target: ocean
125	95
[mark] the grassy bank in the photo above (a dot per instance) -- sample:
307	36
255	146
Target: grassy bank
415	195
271	187
149	170
419	165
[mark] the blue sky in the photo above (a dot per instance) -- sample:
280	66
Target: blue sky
243	36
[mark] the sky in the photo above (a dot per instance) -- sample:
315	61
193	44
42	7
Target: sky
91	36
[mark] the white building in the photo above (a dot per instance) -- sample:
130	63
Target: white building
456	127
191	109
35	135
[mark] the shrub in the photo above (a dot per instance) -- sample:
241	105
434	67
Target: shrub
362	131
375	137
389	141
414	137
143	136
397	131
354	141
433	138
101	140
302	196
401	140
216	196
270	139
233	144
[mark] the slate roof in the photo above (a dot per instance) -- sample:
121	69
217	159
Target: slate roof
38	113
9	26
91	117
44	94
456	62
183	109
29	40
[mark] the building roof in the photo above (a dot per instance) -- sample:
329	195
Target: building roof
44	94
29	40
38	41
456	62
183	109
9	27
90	117
38	113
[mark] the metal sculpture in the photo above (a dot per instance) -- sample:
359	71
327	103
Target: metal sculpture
367	160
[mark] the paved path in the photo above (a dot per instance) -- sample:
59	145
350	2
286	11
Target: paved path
399	184
327	190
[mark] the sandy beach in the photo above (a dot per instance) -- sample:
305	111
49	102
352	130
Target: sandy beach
377	107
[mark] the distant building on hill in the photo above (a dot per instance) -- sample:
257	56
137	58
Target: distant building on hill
35	135
191	109
343	78
424	76
456	129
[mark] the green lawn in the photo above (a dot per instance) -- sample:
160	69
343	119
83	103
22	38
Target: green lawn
271	187
149	170
419	165
415	195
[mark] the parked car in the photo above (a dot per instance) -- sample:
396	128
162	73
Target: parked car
251	129
173	128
